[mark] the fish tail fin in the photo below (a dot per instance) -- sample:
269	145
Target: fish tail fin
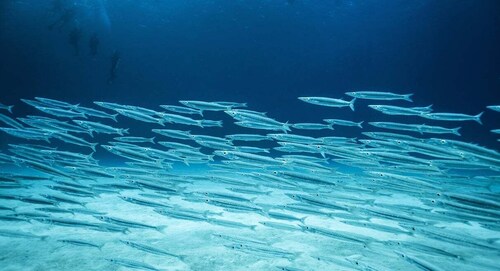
330	126
351	103
125	131
93	145
360	124
161	228
201	113
478	118
113	117
152	140
286	127
455	131
9	108
90	133
211	157
407	97
161	122
303	220
200	123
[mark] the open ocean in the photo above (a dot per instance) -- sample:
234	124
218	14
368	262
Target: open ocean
291	135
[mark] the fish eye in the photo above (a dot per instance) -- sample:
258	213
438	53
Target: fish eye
225	152
399	243
275	172
438	194
398	141
443	141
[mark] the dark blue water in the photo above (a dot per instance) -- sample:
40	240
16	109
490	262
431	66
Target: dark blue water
265	53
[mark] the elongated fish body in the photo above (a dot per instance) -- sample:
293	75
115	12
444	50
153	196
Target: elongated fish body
112	106
419	263
140	116
281	226
183	110
285	127
398	110
179	134
56	103
330	102
101	128
231	224
312	126
82	243
71	139
28	133
379	95
439	130
149	249
96	113
63	113
294	138
54	125
247	137
453	117
248	156
135	139
263	251
132	264
397	126
344	122
11	122
207	106
20	234
126	223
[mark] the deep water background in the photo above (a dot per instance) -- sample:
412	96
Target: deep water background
262	52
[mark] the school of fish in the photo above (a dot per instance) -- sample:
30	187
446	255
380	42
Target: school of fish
268	198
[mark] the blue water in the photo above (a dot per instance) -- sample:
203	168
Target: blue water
261	52
265	53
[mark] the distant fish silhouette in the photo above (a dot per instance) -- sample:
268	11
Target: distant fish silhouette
115	60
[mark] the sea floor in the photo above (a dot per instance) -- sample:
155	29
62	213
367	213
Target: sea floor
34	243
